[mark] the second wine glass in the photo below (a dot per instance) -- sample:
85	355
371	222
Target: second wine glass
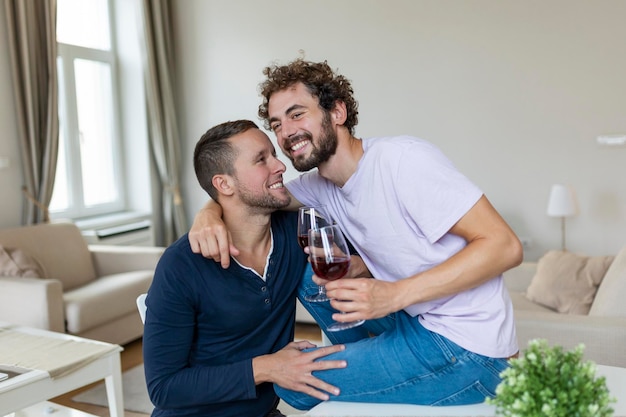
312	218
330	259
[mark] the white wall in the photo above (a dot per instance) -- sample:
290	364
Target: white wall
514	93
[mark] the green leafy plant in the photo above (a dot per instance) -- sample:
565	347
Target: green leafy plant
550	382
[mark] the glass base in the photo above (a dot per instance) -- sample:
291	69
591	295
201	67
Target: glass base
337	326
319	297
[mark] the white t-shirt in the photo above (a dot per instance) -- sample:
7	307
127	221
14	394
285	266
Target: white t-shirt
397	209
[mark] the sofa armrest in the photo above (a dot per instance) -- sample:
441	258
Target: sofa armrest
32	302
110	260
519	278
604	337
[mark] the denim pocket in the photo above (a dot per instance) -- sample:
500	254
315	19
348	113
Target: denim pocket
448	349
472	394
493	365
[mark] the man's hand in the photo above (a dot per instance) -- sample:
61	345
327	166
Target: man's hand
210	237
291	368
363	298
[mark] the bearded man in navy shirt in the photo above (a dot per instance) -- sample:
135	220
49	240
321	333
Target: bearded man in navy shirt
215	340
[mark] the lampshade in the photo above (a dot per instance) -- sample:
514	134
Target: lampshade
562	202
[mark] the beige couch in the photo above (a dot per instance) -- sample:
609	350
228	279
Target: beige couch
569	299
51	279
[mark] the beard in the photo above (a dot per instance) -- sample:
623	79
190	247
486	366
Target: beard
265	202
325	148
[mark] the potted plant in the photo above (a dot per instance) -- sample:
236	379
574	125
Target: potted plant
551	382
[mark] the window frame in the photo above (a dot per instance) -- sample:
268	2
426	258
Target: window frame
68	115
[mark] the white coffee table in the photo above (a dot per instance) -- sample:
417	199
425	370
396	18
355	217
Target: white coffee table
615	379
37	385
48	409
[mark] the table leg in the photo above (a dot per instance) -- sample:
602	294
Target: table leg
113	383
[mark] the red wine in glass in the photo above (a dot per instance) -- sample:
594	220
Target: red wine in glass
332	270
312	218
330	259
303	240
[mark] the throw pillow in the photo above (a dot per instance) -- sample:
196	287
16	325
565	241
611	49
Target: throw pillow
16	263
609	300
567	282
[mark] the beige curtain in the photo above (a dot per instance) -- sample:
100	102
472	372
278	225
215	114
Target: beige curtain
162	123
32	43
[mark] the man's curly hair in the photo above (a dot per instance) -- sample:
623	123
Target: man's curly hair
320	81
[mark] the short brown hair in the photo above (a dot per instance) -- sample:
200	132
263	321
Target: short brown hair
320	81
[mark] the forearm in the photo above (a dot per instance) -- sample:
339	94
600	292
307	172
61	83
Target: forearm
174	382
201	385
211	207
214	208
480	261
262	369
210	236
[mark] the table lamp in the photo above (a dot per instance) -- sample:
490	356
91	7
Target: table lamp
562	204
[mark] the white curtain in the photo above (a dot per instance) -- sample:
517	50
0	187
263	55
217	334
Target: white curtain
32	43
162	123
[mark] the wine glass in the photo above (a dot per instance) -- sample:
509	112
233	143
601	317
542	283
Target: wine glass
330	259
312	218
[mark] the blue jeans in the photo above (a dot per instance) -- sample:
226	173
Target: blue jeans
403	363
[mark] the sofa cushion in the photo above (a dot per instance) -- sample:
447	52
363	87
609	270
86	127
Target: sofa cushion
522	303
59	247
104	299
609	300
567	282
17	263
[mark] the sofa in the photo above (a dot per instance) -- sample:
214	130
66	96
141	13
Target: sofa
569	299
50	278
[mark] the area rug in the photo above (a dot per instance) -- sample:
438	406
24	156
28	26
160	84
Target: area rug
136	394
134	388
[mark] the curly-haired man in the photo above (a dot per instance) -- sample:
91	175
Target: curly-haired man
441	317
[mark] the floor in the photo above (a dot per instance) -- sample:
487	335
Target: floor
132	356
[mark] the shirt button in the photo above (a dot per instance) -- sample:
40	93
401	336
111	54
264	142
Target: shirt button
267	301
263	289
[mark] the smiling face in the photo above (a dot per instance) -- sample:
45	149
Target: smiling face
304	131
258	174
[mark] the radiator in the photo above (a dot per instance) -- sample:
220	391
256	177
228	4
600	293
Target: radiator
133	232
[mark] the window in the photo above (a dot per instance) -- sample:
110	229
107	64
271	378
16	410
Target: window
90	171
